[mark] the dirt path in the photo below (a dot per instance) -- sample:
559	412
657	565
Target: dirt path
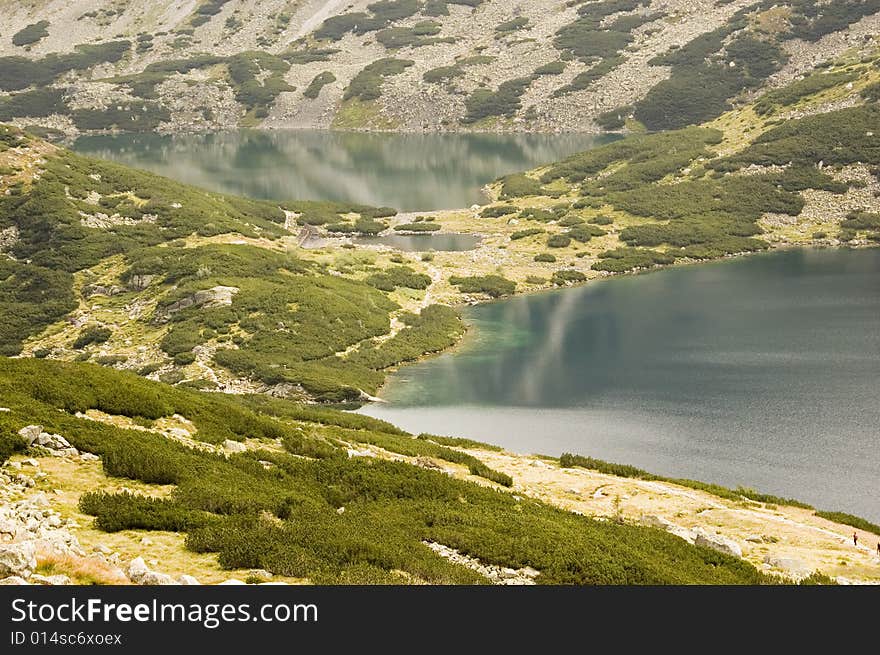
777	539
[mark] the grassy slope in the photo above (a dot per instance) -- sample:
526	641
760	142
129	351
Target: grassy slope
284	518
136	256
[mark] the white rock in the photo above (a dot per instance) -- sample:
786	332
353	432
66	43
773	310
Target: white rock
89	457
31	433
155	579
232	581
14	580
187	580
717	542
49	579
790	565
137	569
17	559
234	446
30	461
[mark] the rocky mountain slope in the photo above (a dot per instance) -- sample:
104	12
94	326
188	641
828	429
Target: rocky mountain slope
409	65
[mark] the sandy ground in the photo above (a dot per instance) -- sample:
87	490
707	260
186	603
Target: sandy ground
761	530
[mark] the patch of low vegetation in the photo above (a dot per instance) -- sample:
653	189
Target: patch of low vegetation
622	260
512	25
257	80
133	116
528	232
287	519
568	276
30	34
504	101
423	33
379	16
18	73
520	185
417	227
797	91
399	276
494	286
367	85
313	90
585	80
36	103
206	10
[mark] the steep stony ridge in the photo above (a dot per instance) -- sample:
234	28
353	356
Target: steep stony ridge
485	65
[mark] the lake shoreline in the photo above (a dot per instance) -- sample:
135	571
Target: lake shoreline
607	277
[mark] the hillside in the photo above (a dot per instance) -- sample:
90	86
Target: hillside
173	291
137	272
130	481
408	65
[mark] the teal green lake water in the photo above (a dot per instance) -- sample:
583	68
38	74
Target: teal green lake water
407	171
763	371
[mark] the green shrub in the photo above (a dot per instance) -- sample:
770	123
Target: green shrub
522	234
505	101
585	80
545	257
20	72
127	511
496	211
90	335
417	227
627	259
367	85
564	277
31	33
10	443
810	85
614	119
494	286
553	68
512	25
399	276
520	185
319	82
442	74
559	241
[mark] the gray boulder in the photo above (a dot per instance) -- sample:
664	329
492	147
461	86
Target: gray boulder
139	573
717	542
792	566
231	446
52	580
14	580
17	559
31	433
